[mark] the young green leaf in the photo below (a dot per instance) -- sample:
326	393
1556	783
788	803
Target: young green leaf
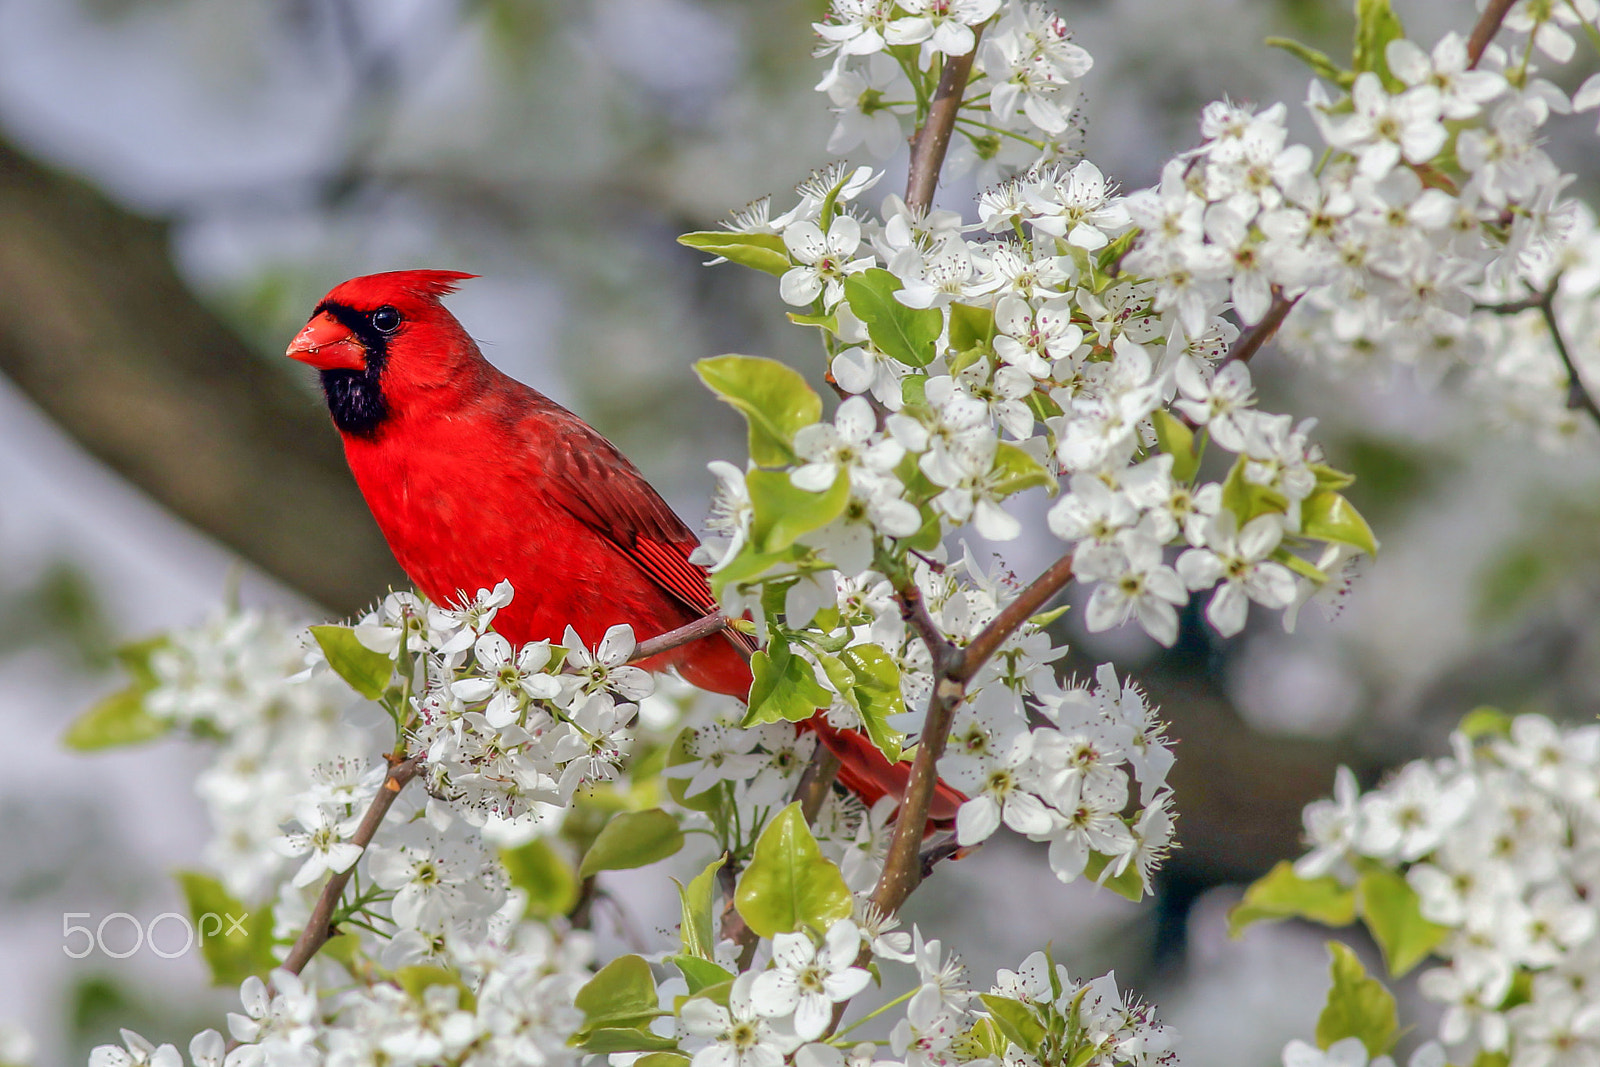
119	719
544	874
1019	471
699	932
970	327
1247	500
784	513
1393	914
1319	63
789	885
1017	1021
700	974
235	941
774	399
1358	1006
876	689
1376	26
1128	884
763	251
1283	894
367	672
1177	441
1327	516
621	995
906	334
632	839
786	688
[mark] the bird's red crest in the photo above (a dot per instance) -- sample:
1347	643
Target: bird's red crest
373	289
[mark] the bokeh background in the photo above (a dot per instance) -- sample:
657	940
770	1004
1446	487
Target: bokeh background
180	180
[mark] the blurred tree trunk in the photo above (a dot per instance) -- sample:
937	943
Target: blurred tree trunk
98	329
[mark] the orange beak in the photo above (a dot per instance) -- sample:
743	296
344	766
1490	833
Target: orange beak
327	344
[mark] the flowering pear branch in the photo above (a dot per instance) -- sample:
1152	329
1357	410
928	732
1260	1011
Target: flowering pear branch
1251	341
690	632
318	929
954	668
932	140
1488	25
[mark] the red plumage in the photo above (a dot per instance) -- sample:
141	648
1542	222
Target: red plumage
474	477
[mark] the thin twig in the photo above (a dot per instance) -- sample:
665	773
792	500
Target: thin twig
954	669
1488	25
1250	342
930	143
319	926
1578	396
914	610
704	626
816	780
1027	604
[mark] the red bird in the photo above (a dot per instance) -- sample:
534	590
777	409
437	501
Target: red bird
474	477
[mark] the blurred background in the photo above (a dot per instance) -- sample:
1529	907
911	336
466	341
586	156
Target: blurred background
181	180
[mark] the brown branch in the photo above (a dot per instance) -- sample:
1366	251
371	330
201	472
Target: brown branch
1027	604
902	867
814	784
319	926
1250	342
930	143
1578	396
704	626
1488	25
914	610
954	669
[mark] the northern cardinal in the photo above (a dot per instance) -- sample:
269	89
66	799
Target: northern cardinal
474	477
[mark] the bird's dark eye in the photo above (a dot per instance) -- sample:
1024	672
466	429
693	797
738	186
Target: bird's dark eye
386	319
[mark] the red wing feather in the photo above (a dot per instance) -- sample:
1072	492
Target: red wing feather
601	488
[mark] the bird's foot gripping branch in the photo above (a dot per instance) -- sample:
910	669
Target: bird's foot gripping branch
903	701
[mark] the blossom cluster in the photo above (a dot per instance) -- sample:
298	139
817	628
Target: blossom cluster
278	744
1500	844
508	733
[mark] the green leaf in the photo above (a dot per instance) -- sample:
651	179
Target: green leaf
830	323
750	565
1320	64
606	1040
119	719
1017	1021
1019	471
1304	568
789	885
632	839
699	931
1329	478
662	1059
786	688
784	513
1486	722
368	672
234	941
763	251
1176	440
877	695
1376	26
418	979
545	875
1283	894
1327	516
906	334
774	399
1358	1006
1393	914
1128	884
700	974
135	659
970	328
621	995
1247	500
